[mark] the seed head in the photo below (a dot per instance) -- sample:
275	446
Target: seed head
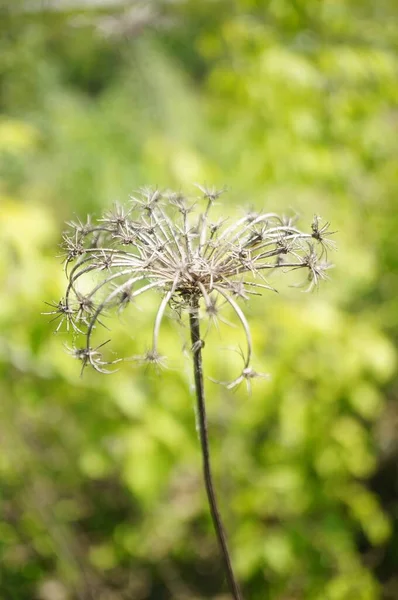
162	242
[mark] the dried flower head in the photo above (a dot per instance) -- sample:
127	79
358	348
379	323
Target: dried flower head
162	242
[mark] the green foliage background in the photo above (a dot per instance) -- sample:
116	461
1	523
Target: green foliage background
293	105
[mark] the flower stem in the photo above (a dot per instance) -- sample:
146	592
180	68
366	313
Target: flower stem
197	345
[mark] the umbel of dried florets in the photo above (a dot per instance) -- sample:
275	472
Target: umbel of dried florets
161	241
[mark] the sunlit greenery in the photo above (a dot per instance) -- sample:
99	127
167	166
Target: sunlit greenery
292	105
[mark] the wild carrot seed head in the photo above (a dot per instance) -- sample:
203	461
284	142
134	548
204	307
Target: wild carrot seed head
161	241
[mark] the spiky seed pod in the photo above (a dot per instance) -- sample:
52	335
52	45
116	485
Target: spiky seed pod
161	241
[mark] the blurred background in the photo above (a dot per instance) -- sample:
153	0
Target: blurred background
293	105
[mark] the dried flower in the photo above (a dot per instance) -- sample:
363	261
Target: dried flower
161	242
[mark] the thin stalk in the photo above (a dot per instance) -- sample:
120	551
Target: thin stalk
197	345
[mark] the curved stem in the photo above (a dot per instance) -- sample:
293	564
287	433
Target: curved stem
197	345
